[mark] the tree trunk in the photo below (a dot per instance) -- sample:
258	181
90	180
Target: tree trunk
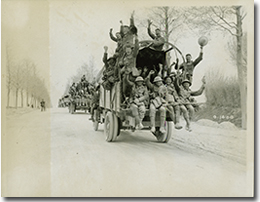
27	98
21	98
16	98
241	76
8	97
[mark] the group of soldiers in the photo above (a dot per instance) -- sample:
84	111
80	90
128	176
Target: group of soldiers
157	91
81	92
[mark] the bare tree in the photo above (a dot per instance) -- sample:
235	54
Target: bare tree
228	20
9	74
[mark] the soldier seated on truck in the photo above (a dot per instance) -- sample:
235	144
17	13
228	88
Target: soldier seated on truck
173	98
95	102
108	74
139	100
156	102
185	94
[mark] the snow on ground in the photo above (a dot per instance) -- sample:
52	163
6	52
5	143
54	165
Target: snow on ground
224	140
55	153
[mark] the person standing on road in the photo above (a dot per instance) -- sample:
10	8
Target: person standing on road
42	105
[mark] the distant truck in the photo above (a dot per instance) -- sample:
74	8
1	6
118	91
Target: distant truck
79	104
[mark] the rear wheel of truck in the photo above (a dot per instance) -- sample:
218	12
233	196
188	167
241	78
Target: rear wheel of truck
116	127
165	137
109	126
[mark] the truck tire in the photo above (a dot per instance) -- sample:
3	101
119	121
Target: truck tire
109	127
116	127
164	138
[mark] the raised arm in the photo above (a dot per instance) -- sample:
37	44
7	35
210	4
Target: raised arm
128	81
177	82
198	59
105	56
112	36
136	47
132	22
147	80
149	30
200	91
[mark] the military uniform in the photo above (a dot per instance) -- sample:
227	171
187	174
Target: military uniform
156	103
174	99
188	68
139	101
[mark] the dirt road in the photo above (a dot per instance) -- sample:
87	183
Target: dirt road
84	164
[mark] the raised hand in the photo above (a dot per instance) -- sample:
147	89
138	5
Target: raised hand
105	48
149	22
203	80
151	72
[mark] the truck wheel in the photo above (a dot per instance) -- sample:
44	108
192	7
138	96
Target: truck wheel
109	126
95	122
116	127
164	138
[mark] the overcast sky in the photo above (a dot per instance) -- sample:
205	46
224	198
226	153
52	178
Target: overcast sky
60	36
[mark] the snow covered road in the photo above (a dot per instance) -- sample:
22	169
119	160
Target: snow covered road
63	151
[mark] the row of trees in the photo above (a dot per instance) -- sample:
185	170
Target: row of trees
23	78
204	21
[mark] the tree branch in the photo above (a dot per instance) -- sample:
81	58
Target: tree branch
225	28
221	17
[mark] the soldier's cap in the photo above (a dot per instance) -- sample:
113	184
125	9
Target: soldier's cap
188	54
157	79
187	81
111	58
139	78
157	29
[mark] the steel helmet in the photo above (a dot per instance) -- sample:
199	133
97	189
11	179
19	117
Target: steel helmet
186	80
139	78
157	78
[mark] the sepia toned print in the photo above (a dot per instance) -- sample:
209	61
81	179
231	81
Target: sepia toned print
127	99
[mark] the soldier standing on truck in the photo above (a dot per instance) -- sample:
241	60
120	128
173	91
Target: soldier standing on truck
156	102
139	100
189	66
158	40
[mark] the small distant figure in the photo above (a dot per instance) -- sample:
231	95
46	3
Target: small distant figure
42	105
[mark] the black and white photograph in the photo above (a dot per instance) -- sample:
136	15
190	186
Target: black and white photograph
127	98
